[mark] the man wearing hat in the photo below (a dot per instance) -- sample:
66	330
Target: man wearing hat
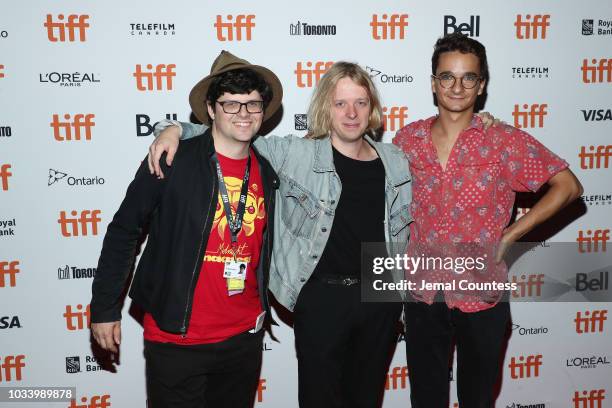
211	215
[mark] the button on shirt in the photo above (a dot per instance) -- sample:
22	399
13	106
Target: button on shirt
472	200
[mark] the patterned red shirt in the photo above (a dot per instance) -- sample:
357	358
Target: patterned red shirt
472	200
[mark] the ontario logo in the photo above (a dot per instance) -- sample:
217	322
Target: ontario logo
58	177
388	78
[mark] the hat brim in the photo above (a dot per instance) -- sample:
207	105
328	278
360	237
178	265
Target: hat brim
197	96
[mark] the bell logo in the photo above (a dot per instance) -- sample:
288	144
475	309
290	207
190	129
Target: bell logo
527	117
145	82
589	399
96	401
531	28
72	129
471	29
77	320
143	123
75	22
394	118
592	322
309	73
11	364
525	367
87	217
397	378
389	28
226	30
261	387
529	285
592	74
588	241
8	268
4	176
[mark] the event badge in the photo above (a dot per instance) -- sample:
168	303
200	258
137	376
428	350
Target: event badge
235	275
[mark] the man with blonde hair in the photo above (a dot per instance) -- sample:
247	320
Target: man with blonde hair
339	188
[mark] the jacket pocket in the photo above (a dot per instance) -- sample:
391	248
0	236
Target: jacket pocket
400	220
299	211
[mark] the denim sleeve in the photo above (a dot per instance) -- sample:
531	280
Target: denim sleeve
188	130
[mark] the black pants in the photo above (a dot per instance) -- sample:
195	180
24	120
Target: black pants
343	346
480	339
224	374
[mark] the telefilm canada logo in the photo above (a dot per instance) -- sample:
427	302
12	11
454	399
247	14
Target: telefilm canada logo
530	72
387	77
148	30
596	27
597	199
306	29
57	177
69	79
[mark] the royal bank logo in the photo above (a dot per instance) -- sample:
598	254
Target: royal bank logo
74	366
300	28
597	199
59	177
148	30
300	121
75	272
530	72
7	227
596	27
388	78
69	79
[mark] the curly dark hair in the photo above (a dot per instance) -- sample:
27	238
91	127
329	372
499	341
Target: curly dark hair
239	81
463	44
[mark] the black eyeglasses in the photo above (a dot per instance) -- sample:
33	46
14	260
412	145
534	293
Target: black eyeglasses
235	106
468	81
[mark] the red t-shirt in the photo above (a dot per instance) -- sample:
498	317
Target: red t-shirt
215	315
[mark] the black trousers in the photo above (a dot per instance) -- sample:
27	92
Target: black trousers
343	346
480	339
224	374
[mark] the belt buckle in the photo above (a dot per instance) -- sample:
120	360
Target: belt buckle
348	281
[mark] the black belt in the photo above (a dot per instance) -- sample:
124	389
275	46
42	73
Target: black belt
337	280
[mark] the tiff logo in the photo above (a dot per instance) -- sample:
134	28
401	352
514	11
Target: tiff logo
532	28
592	322
96	401
71	130
230	31
525	368
11	364
261	387
309	74
592	158
592	74
75	23
527	117
4	176
530	285
86	217
394	117
397	378
8	268
77	320
588	241
145	82
389	28
471	29
589	399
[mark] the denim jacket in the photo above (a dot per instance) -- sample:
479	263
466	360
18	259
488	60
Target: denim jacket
307	198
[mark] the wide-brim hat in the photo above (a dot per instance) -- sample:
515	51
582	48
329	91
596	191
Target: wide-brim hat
228	62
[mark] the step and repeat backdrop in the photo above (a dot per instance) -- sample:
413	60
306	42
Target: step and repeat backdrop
82	84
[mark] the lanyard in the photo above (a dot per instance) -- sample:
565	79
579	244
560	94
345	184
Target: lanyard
235	224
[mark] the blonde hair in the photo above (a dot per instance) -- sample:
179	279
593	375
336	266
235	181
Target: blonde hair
319	111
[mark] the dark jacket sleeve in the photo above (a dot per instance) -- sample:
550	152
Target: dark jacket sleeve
120	242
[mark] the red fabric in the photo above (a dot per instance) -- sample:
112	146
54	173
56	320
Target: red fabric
472	200
216	316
